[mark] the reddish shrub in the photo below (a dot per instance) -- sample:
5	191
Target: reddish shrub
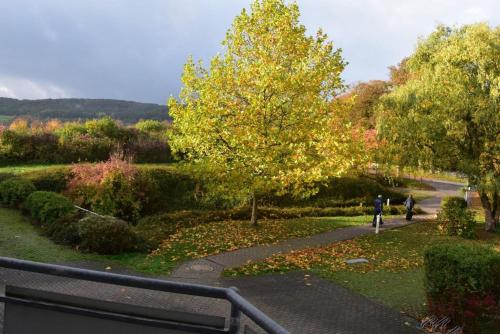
107	187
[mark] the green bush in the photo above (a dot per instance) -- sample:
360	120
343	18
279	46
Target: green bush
14	191
64	230
118	197
451	202
461	282
165	189
5	176
46	207
51	179
105	235
455	219
348	190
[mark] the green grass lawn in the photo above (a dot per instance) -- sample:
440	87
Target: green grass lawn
19	238
443	176
213	238
6	118
394	275
20	169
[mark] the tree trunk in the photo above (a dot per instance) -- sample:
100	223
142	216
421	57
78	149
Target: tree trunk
491	212
253	220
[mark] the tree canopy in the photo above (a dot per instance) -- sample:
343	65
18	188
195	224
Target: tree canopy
264	116
446	113
366	97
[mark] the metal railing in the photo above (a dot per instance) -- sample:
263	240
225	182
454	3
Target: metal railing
239	305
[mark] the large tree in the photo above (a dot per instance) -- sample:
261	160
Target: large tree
366	97
446	114
264	117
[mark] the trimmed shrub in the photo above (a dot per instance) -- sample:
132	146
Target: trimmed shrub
6	176
164	190
14	191
46	207
51	179
105	235
64	230
461	282
455	219
25	146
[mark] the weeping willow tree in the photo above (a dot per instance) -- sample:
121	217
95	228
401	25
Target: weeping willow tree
447	114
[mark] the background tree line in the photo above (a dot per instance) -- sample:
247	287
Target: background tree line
82	109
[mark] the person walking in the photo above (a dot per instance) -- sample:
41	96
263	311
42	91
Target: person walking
409	204
377	210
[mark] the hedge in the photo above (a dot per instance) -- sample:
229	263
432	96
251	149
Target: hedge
166	190
349	189
46	207
64	230
461	282
50	179
105	235
14	191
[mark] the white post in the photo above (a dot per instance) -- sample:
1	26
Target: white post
388	201
377	226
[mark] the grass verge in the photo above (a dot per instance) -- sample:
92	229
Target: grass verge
21	169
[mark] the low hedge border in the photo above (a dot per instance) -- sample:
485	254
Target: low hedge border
461	282
46	207
14	191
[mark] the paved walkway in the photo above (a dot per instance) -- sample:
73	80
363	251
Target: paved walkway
209	269
317	307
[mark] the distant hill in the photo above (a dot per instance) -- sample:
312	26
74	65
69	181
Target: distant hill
81	109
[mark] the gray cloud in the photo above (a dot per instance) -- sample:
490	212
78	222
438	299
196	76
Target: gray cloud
135	50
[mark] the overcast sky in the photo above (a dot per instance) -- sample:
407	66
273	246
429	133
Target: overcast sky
135	49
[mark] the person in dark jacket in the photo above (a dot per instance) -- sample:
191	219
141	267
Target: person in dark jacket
378	210
409	204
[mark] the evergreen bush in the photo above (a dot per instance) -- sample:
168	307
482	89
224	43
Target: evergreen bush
455	219
46	207
105	235
14	191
